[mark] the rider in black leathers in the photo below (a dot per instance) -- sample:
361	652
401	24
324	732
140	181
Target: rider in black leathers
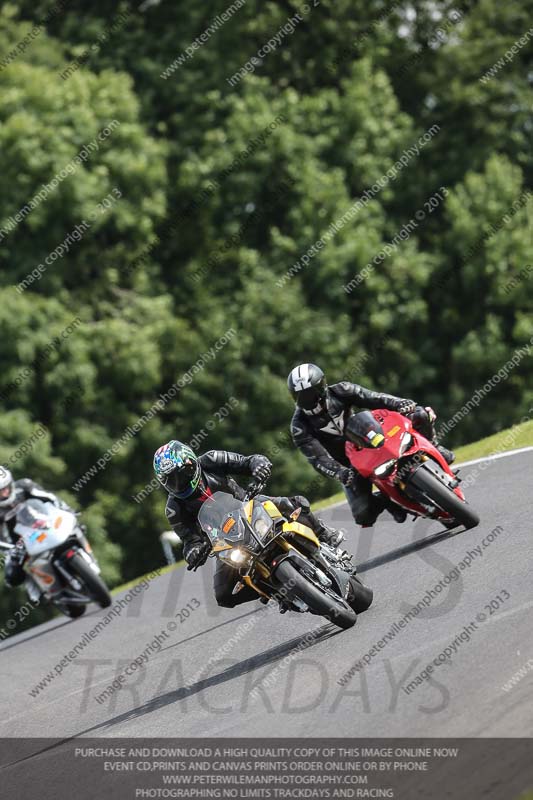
317	430
191	479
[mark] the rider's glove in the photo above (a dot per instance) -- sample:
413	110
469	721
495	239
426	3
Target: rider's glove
431	414
261	468
197	555
346	476
406	407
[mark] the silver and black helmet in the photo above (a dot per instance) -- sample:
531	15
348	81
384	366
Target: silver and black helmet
307	384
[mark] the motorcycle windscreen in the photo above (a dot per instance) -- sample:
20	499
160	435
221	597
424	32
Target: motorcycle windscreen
34	525
364	430
221	517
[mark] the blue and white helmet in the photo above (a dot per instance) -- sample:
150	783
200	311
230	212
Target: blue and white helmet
177	469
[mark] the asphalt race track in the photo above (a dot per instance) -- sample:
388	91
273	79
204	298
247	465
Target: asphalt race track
274	675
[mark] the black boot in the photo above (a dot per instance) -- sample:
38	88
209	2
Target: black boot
399	514
448	455
329	536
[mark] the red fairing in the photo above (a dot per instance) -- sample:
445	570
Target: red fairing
366	459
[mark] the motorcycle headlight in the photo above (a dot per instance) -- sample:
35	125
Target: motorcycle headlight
384	469
262	527
237	556
406	443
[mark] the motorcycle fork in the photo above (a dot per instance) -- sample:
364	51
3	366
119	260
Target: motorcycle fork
264	571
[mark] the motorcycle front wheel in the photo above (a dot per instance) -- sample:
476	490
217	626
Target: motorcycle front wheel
319	602
360	597
443	497
95	586
72	610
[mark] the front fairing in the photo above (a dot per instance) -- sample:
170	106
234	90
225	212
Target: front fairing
395	427
365	460
228	523
42	526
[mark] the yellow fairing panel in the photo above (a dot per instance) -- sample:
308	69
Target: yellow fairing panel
248	508
271	509
301	530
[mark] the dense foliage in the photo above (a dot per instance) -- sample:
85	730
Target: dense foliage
185	215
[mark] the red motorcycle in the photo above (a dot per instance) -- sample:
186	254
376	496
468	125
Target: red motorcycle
384	447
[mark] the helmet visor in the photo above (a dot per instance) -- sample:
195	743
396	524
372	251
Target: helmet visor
5	492
308	399
182	478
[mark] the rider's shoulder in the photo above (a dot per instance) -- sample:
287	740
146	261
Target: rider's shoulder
343	387
213	459
26	485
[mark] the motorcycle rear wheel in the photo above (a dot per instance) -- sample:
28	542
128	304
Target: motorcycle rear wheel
338	612
444	497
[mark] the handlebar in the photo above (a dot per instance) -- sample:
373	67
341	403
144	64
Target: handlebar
6	546
253	489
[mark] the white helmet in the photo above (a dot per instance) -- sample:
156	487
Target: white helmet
7	488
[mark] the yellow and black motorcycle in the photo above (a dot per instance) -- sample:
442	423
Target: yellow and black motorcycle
282	559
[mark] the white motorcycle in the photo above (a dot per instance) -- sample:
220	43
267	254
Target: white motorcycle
60	566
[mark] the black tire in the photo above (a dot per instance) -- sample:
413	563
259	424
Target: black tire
73	610
444	497
338	612
360	597
95	586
